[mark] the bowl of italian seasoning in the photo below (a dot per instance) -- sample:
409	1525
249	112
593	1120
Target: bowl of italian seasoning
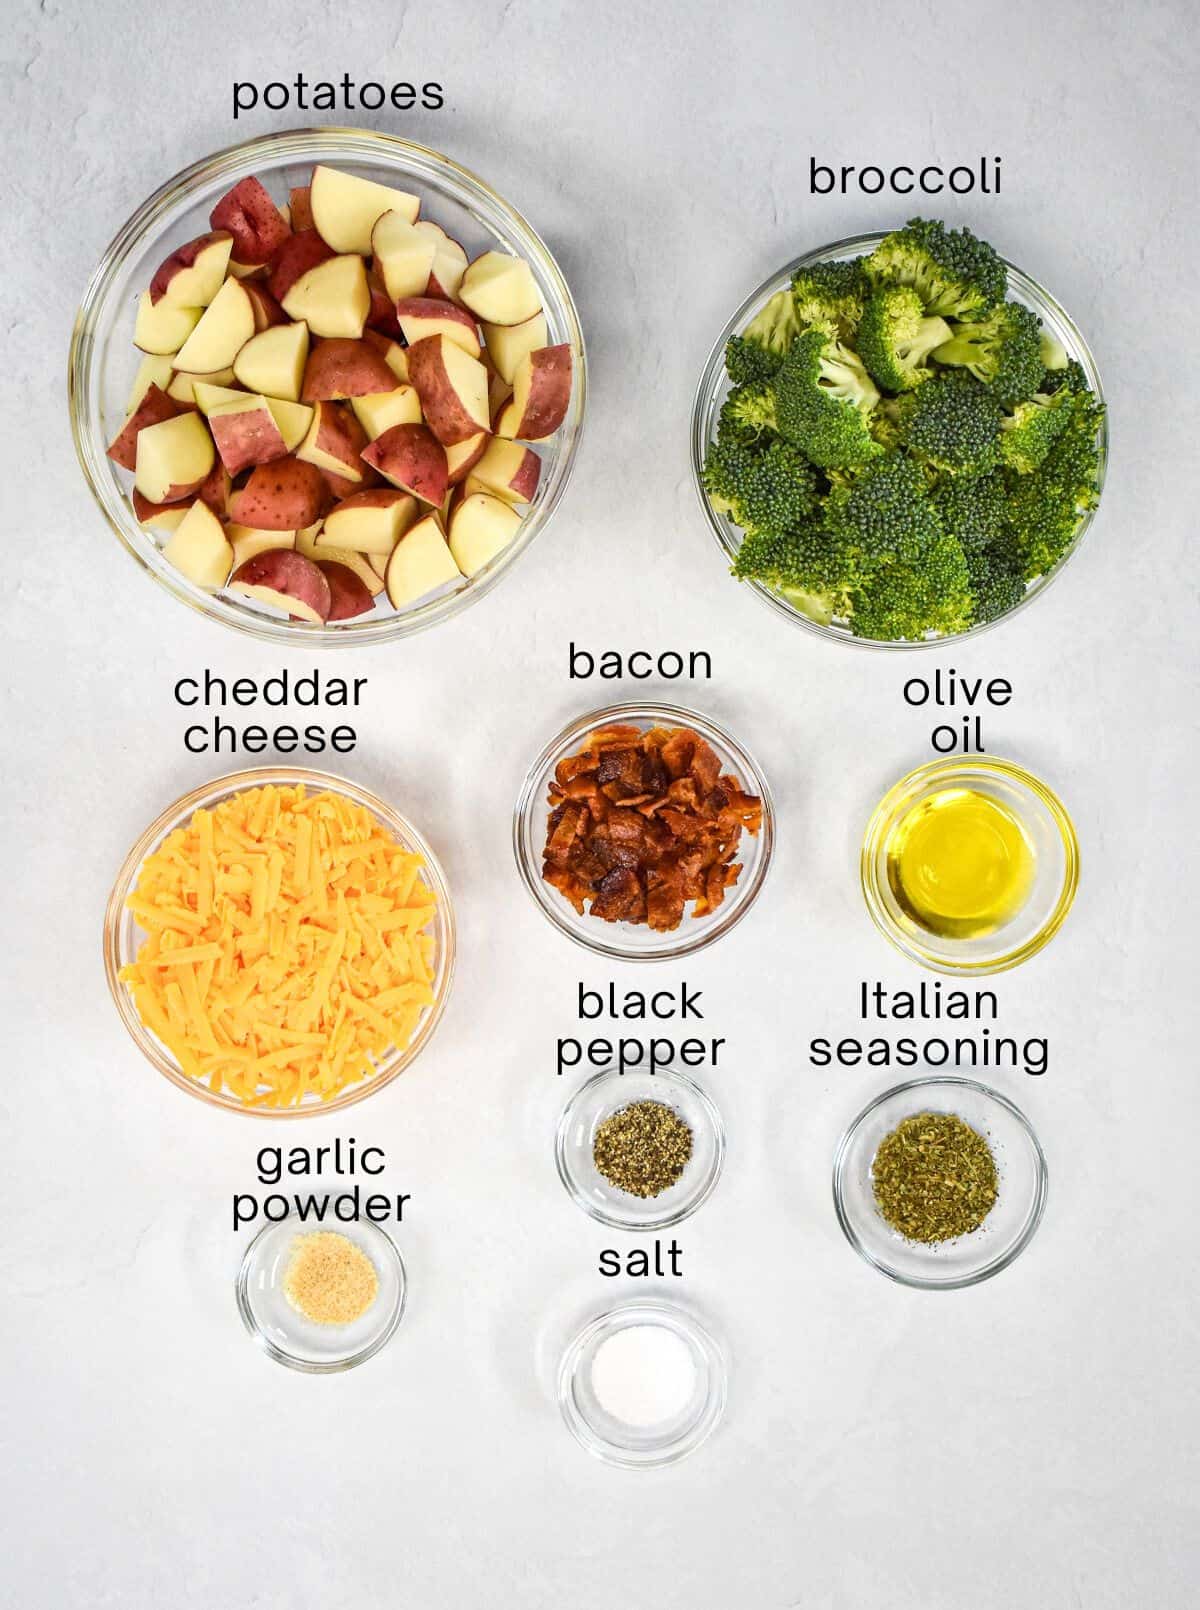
640	1151
940	1183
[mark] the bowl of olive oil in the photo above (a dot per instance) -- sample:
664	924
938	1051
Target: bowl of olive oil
970	864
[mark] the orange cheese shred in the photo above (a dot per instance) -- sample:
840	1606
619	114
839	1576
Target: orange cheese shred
287	948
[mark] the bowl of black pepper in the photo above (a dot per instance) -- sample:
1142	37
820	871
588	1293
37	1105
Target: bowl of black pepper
640	1151
940	1182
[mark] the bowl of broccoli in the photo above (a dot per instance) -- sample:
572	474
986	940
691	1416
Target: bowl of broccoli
900	439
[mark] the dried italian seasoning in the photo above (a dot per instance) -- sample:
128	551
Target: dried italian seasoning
643	1148
934	1178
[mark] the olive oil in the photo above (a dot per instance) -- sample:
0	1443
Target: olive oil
960	864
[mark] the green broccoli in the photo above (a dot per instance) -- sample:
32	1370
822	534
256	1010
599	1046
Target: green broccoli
1068	376
823	402
895	338
972	507
766	487
756	354
1031	430
955	274
953	423
997	581
1003	349
1044	507
830	296
808	565
908	598
748	411
884	511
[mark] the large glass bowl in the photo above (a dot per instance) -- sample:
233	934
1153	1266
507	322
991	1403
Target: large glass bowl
123	934
626	941
103	358
714	388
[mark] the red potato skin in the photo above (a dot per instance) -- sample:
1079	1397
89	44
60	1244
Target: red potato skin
412	458
347	592
290	573
284	496
300	204
144	510
252	218
340	435
424	371
416	309
216	490
267	310
243	440
183	258
340	367
382	316
154	408
295	256
461	471
549	394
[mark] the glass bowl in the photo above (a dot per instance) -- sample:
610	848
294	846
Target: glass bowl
626	941
284	1333
123	934
714	388
1048	830
1008	1228
103	358
632	1446
611	1092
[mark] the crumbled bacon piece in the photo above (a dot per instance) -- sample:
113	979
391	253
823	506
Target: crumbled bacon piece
642	823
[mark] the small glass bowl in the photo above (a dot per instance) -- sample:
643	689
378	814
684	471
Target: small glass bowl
1056	867
123	934
625	941
1008	1228
642	1447
284	1333
611	1092
103	358
714	388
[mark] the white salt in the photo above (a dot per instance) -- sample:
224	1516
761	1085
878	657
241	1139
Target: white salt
643	1375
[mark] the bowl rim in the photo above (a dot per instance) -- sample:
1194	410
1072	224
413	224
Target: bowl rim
1032	1220
309	1366
676	1318
225	787
911	783
650	713
664	1221
722	529
312	142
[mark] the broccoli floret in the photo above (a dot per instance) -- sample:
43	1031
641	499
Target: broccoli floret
806	562
1031	430
1044	507
971	507
895	338
953	423
755	355
1004	350
1068	377
830	296
768	487
997	581
884	511
823	401
910	598
955	274
748	411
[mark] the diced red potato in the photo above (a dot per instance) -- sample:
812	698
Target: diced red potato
420	562
462	457
225	326
292	418
159	516
507	344
508	470
332	298
345	368
216	489
421	316
300	207
481	526
272	362
283	496
152	409
267	310
296	256
380	410
453	388
334	441
349	595
199	548
368	522
163	328
392	353
403	254
246	541
381	315
500	289
542	392
246	433
253	220
151	371
412	458
173	458
449	263
346	207
193	274
287	580
183	385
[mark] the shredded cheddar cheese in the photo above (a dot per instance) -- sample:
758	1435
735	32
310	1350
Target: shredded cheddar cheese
286	948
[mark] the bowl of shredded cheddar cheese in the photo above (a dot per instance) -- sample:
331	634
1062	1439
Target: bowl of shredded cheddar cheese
280	942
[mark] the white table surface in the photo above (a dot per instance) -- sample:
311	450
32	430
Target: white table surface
1029	1443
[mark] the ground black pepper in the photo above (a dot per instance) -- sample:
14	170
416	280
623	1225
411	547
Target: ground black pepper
643	1148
